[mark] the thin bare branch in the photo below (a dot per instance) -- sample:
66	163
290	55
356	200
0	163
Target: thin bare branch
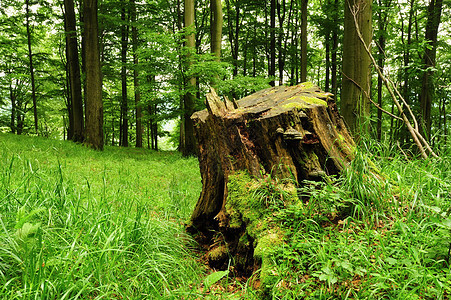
417	138
369	98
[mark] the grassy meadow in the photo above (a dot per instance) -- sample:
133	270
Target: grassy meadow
81	224
76	223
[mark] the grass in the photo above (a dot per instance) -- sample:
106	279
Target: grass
381	231
81	224
77	223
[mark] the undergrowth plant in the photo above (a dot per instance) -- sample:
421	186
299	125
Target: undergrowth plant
381	230
81	224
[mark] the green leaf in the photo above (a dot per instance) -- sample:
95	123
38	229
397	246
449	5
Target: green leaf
214	277
391	261
446	223
23	216
27	230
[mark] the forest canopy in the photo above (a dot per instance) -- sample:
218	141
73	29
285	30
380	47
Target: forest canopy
156	60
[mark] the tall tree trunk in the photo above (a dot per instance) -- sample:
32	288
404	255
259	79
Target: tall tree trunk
380	62
334	50
94	105
68	97
112	128
327	43
189	144
83	58
427	84
355	105
272	41
138	107
154	125
402	135
13	109
74	72
234	33
216	27
382	19
30	57
293	50
124	98
281	12
304	35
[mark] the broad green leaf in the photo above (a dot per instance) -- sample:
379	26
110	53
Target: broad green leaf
214	277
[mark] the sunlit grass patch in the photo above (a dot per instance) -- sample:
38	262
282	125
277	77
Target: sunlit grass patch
77	223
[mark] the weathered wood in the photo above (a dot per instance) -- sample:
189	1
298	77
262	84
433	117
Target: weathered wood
290	132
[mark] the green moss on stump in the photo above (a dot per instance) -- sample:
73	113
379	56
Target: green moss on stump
255	203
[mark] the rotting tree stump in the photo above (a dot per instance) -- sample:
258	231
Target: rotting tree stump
289	132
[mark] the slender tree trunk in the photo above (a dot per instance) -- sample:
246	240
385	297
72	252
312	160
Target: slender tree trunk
294	49
138	107
74	72
30	57
189	145
233	32
69	106
245	53
155	129
13	109
304	35
148	134
94	105
382	19
124	99
83	58
401	134
272	42
355	105
334	50
112	129
327	79
380	62
281	12
216	27
427	84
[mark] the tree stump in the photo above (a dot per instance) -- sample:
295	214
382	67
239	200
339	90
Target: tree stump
289	132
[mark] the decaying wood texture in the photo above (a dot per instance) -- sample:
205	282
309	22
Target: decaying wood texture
289	132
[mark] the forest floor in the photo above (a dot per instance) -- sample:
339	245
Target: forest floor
81	224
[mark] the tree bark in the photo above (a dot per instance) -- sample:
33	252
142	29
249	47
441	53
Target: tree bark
74	73
189	143
234	32
272	42
327	43
335	49
401	134
216	27
289	132
12	96
124	98
31	67
94	105
427	84
304	35
281	12
138	106
382	19
355	105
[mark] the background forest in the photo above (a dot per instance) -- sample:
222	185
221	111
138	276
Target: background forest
76	223
156	66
